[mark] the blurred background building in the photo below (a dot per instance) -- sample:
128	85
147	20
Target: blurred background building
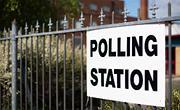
110	7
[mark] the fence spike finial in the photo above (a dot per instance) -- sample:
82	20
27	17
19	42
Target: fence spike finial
112	14
64	22
91	20
37	26
43	27
153	9
50	24
20	31
81	19
31	28
26	28
9	32
4	32
125	13
57	25
72	23
102	16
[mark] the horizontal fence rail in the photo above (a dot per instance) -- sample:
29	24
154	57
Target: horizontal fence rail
49	68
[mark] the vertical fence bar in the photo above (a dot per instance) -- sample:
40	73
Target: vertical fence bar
50	57
43	67
125	13
101	104
37	69
81	60
170	58
82	76
9	44
21	74
101	17
4	54
50	72
26	74
31	68
125	106
37	72
9	34
64	61
57	67
26	28
2	93
4	42
0	98
8	57
26	69
91	99
113	103
14	66
73	63
91	103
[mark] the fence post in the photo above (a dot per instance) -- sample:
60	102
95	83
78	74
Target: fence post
170	58
14	71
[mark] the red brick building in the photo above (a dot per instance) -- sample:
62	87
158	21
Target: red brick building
93	7
175	49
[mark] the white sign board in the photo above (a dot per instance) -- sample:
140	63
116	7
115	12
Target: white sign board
127	64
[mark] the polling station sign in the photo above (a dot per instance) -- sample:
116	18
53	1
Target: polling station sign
127	64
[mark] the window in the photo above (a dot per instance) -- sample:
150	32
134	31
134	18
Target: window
93	6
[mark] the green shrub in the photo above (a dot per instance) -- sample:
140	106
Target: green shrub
5	75
176	99
5	69
107	105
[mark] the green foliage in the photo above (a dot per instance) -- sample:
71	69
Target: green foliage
5	74
176	99
31	10
107	105
23	11
5	68
53	62
70	7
